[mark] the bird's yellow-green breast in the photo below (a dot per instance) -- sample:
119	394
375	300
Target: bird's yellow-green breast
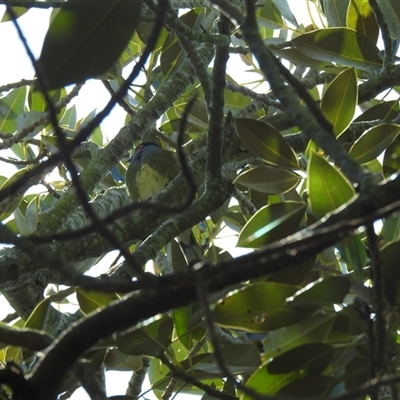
150	170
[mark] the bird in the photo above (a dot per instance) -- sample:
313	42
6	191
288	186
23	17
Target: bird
150	170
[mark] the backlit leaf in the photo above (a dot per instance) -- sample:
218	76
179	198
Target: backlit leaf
391	12
335	11
271	223
311	357
150	339
327	187
85	39
267	179
341	45
11	106
270	16
361	18
266	142
90	301
374	142
256	307
340	100
320	293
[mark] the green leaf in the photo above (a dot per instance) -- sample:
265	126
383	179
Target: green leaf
37	102
373	142
391	228
151	339
172	54
69	118
361	18
18	12
11	106
182	322
267	179
320	293
257	308
391	12
235	101
327	187
390	256
31	214
340	100
391	159
269	16
341	45
115	360
335	11
386	111
269	384
311	357
310	330
266	142
354	253
298	58
39	316
271	223
90	301
293	276
144	30
85	39
241	359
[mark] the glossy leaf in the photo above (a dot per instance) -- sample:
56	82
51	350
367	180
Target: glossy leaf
182	323
320	293
150	339
386	111
370	145
271	223
241	358
309	330
116	360
255	307
297	57
267	179
90	301
285	11
173	55
312	357
361	18
269	384
85	39
340	100
39	316
341	45
270	16
391	12
309	386
17	12
391	159
335	11
11	106
391	228
235	102
327	187
266	142
293	276
31	214
354	253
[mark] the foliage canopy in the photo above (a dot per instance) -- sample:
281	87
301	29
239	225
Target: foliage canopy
301	165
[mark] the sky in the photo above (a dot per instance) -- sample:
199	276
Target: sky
15	66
